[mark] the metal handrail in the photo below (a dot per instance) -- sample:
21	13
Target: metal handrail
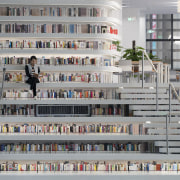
171	88
150	61
175	92
157	76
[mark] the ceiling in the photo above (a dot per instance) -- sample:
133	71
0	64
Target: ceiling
153	6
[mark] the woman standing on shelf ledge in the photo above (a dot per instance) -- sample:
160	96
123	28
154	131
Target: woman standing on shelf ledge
32	74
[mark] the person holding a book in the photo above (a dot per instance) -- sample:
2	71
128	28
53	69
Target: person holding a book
32	74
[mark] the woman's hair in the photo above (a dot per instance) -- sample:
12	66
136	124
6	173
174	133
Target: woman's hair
33	57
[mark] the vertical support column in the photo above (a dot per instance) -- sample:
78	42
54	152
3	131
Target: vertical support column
168	77
161	72
169	103
167	151
142	69
172	37
157	79
165	74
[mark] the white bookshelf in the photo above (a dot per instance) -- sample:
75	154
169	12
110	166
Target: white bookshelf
85	137
57	52
68	68
83	101
67	84
42	19
90	175
101	3
91	36
64	85
98	118
88	156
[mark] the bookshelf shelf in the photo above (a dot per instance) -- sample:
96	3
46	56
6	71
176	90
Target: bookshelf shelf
66	84
5	36
89	156
93	119
63	85
86	3
99	137
67	68
90	175
58	52
83	101
37	19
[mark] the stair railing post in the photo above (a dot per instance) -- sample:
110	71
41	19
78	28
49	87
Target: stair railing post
167	151
157	78
169	103
142	69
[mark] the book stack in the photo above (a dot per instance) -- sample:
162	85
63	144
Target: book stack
17	110
15	94
107	110
53	44
68	128
53	11
77	93
56	147
71	166
62	77
58	28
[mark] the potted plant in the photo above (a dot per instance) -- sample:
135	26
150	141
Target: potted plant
136	54
133	54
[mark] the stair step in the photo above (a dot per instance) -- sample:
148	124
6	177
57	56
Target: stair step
153	107
170	150
170	143
154	113
163	131
141	96
140	90
162	125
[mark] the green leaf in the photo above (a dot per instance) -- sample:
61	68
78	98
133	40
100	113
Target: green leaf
130	54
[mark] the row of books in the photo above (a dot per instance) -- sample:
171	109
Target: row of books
79	93
71	147
112	110
29	110
54	11
127	129
15	109
90	166
108	109
62	77
58	28
56	44
76	93
73	60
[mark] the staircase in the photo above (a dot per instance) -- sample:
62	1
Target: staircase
161	113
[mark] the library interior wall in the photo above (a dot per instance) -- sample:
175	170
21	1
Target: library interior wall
133	30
